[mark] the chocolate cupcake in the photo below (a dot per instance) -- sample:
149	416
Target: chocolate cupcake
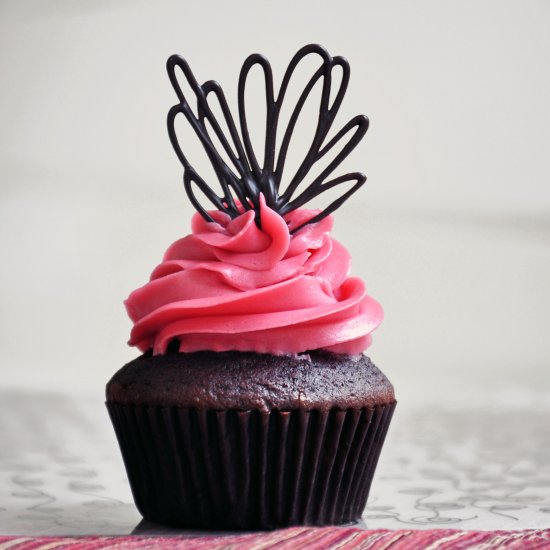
252	405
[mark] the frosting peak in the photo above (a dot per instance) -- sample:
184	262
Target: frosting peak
233	286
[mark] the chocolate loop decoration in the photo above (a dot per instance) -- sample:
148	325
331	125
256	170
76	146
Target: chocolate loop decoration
245	180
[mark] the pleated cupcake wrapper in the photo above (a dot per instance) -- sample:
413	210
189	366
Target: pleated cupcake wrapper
247	469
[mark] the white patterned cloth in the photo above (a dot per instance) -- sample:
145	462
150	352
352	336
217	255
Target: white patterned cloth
482	468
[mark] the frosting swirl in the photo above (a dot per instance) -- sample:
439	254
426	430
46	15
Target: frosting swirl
232	286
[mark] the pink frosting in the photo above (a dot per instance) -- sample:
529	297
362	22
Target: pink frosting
231	286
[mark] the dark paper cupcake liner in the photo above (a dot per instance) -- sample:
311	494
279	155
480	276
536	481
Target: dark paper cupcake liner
248	469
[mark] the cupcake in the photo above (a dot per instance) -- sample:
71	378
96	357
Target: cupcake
252	405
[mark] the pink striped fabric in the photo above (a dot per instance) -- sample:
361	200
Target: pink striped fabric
326	538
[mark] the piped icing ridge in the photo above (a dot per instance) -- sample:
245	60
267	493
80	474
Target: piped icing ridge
233	286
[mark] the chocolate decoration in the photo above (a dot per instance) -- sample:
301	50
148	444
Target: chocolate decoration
246	179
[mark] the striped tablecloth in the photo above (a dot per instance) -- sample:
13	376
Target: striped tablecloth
327	538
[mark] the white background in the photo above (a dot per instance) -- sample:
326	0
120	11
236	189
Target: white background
455	213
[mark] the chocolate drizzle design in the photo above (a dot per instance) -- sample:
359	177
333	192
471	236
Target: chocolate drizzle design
246	180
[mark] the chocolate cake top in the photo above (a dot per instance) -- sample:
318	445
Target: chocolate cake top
251	381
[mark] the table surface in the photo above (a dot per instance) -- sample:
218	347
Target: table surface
465	468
